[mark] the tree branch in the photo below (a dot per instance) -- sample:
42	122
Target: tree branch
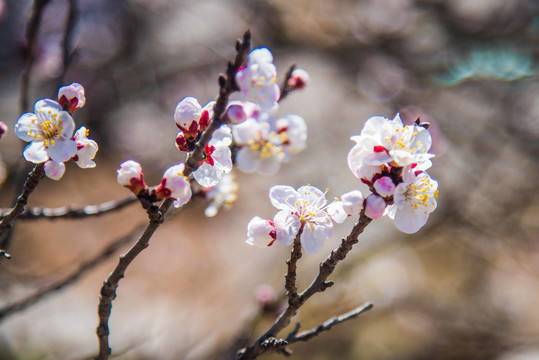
227	85
83	268
318	285
29	186
31	40
290	277
285	88
308	334
72	212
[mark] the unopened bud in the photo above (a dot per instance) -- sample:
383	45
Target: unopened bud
71	97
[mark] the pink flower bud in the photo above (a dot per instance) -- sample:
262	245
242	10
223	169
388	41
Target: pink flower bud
384	186
299	79
54	170
130	176
236	114
174	185
261	232
375	206
71	97
3	128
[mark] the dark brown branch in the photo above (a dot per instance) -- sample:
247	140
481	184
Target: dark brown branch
67	40
318	285
31	33
290	277
71	212
227	85
83	268
294	336
286	88
29	186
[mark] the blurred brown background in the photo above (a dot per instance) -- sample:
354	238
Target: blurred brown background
465	287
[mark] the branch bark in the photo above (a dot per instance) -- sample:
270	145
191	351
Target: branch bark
83	268
227	85
319	284
29	186
72	212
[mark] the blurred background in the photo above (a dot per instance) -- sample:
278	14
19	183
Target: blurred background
465	287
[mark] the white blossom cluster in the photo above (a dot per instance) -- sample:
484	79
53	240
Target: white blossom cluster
390	158
261	140
50	132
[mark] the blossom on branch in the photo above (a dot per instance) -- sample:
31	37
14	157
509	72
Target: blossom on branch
218	158
261	232
130	176
299	78
305	210
383	141
414	199
86	149
265	142
174	185
49	130
192	120
258	79
71	97
350	204
54	170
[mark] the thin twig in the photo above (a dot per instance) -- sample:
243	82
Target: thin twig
31	40
318	285
290	277
83	268
227	85
29	186
67	50
294	336
286	88
72	212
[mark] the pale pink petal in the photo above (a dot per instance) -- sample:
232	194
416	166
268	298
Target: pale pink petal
286	226
62	150
375	206
35	152
54	170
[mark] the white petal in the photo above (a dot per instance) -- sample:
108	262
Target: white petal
375	206
54	170
247	160
336	211
35	152
286	226
62	150
313	237
207	175
409	221
269	166
221	137
26	125
283	197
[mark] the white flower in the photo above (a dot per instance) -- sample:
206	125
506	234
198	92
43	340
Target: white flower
54	170
49	130
260	232
3	128
266	142
223	194
294	131
258	79
415	199
217	161
384	141
175	185
86	149
304	209
130	175
71	97
261	149
350	204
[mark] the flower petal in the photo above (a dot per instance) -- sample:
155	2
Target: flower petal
286	226
25	126
62	150
313	237
35	152
54	170
283	197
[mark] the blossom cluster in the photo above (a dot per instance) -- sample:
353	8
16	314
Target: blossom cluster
252	137
50	130
390	158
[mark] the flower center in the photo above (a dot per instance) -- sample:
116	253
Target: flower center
422	194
